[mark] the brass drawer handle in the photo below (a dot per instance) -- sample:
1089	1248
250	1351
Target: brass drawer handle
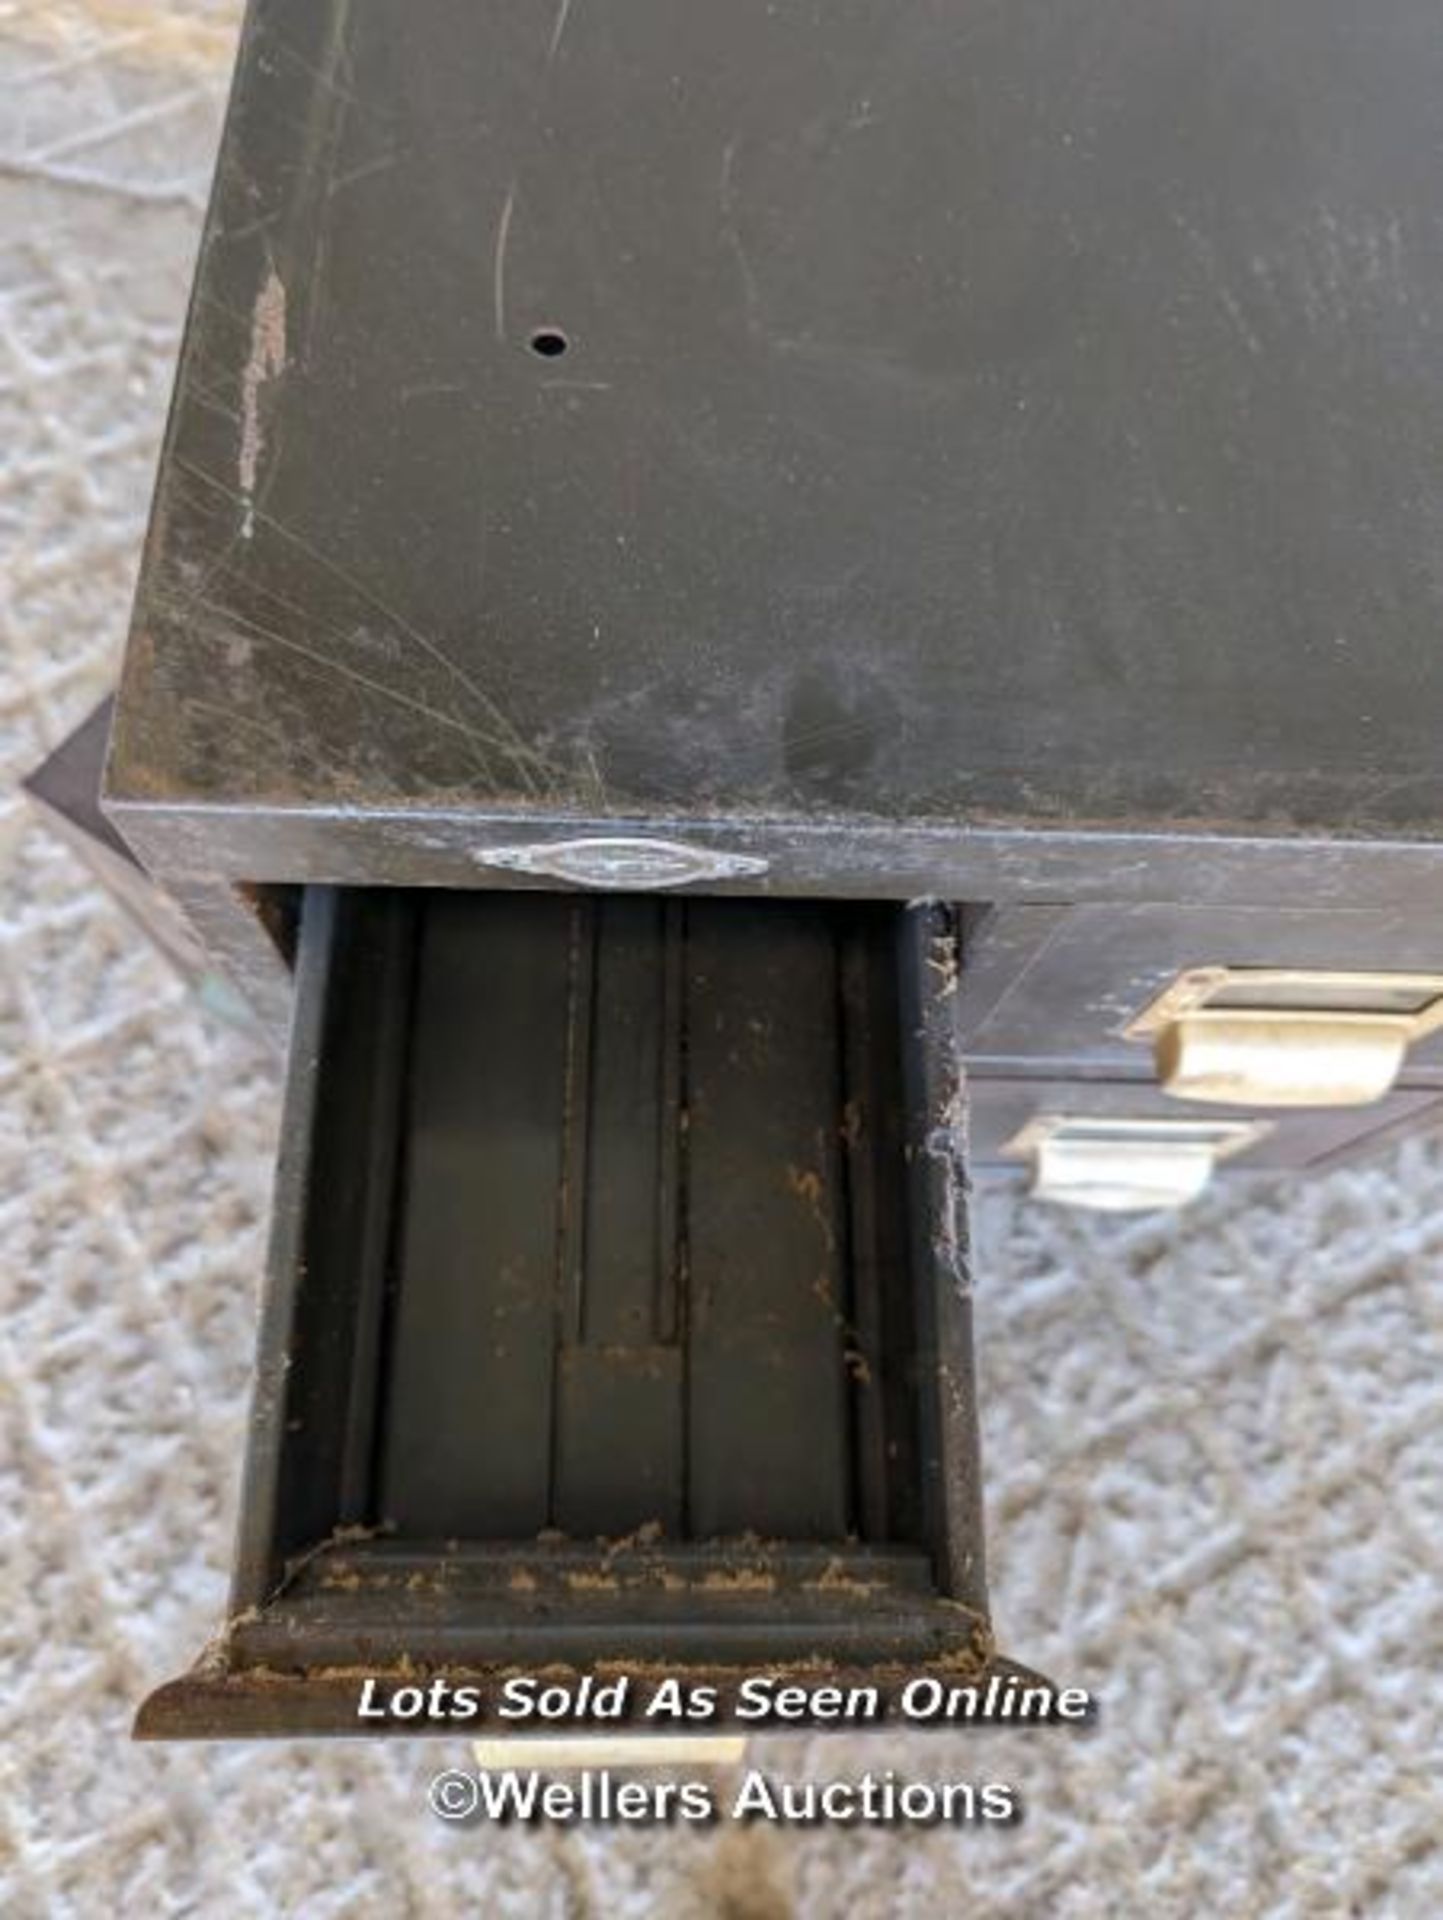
1127	1166
1287	1037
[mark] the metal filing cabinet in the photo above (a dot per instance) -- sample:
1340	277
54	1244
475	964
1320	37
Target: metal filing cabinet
789	464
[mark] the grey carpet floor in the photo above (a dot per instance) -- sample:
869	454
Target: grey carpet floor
1213	1443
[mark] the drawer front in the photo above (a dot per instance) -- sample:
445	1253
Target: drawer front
1044	985
1003	1109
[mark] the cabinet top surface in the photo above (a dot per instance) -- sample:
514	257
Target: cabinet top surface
1018	413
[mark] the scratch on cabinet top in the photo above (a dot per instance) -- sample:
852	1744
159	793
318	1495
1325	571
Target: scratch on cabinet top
266	361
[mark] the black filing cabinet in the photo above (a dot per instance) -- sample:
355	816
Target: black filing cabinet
733	592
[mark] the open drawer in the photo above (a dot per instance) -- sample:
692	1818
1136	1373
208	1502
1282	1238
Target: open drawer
618	1308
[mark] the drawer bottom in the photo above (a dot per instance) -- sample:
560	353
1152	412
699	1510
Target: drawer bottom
618	1312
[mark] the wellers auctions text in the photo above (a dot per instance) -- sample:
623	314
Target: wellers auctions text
759	1700
881	1799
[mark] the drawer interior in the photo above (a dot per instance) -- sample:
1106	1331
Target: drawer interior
619	1303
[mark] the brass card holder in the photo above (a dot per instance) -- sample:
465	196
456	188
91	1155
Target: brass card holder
1287	1037
1127	1166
